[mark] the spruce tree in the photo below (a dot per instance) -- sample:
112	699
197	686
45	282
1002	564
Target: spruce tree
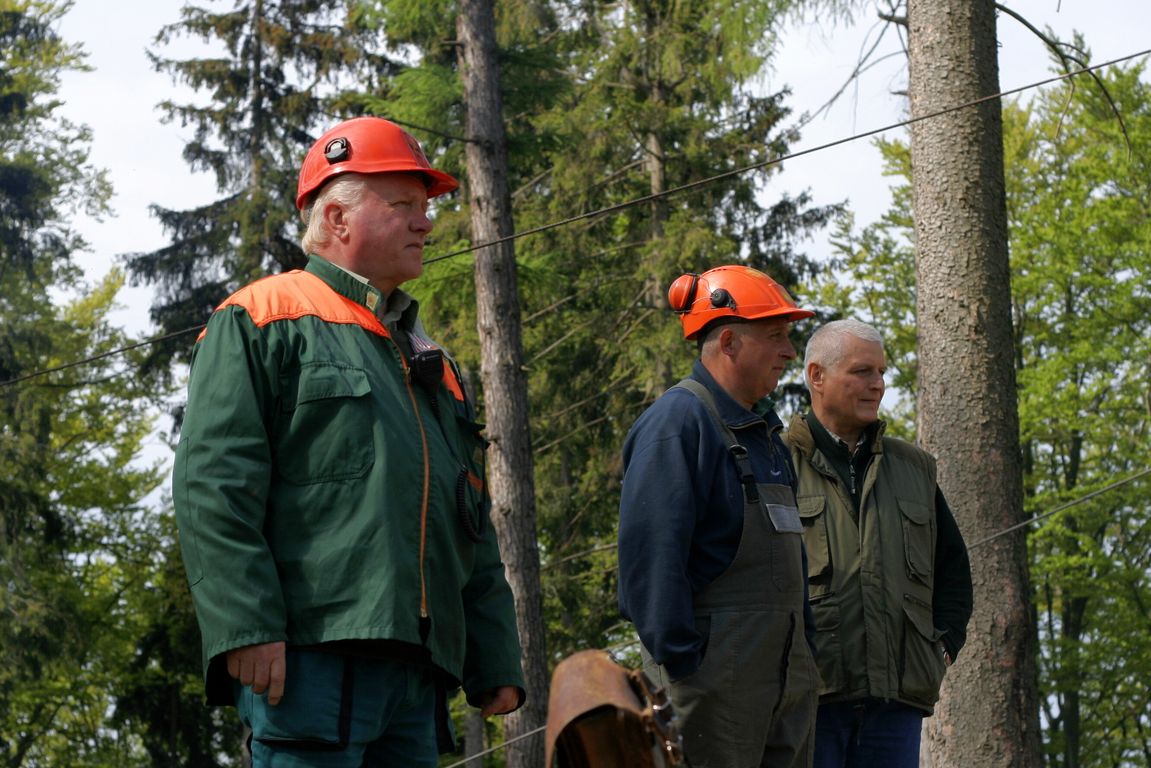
275	73
74	541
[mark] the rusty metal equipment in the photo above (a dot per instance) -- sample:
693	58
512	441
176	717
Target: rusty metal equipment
601	715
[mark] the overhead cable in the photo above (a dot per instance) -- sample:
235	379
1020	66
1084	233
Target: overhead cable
776	161
497	747
655	196
101	356
1061	507
614	649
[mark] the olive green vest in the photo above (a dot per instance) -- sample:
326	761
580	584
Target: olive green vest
871	580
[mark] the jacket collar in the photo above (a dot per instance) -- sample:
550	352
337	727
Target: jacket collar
734	414
398	306
832	444
803	432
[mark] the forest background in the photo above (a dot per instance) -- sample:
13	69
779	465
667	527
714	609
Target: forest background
100	656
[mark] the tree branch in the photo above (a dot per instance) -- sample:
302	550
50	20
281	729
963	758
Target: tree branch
1057	47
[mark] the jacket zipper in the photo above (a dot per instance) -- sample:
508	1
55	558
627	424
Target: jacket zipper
424	616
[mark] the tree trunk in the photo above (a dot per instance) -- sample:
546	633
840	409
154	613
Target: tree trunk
968	415
502	371
474	739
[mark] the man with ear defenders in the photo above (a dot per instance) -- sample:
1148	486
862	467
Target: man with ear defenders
711	563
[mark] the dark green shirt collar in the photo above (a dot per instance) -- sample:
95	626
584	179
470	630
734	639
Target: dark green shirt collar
399	306
850	467
834	447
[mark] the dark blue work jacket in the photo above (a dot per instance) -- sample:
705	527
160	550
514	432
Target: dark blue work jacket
681	511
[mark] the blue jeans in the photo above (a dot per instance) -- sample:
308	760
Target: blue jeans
867	734
343	711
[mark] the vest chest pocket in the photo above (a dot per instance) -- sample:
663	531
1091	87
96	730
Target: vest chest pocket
324	429
812	514
918	539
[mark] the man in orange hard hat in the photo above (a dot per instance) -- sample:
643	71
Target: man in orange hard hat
711	564
329	486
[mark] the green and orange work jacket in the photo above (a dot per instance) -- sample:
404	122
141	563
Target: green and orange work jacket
324	496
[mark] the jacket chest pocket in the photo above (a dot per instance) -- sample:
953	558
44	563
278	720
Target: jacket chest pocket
325	428
813	515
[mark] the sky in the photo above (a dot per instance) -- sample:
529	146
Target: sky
143	155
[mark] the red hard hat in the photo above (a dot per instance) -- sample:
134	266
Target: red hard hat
367	145
731	291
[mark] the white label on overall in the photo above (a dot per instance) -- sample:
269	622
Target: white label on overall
784	517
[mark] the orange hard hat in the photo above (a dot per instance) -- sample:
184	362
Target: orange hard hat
734	291
367	145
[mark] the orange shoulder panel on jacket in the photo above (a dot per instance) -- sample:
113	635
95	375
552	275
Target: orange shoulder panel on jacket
452	382
297	294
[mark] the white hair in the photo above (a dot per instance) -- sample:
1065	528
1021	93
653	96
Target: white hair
826	347
347	189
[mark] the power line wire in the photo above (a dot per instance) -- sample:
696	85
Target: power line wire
658	196
1086	497
652	197
766	163
1036	518
101	356
1061	507
498	747
626	644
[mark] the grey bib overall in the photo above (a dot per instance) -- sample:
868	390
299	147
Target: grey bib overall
752	702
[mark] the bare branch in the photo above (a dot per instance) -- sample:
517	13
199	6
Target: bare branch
1060	48
890	19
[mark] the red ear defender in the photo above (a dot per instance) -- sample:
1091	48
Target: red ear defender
682	292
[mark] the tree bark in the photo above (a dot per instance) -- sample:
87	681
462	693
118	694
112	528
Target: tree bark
968	415
510	471
474	739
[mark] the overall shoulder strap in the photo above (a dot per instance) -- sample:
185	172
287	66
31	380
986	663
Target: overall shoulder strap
738	452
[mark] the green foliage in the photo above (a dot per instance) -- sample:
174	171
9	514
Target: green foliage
158	687
77	549
277	68
44	169
871	277
1081	247
604	105
74	542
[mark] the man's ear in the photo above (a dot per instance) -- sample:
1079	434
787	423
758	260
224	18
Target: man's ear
815	377
728	340
335	219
